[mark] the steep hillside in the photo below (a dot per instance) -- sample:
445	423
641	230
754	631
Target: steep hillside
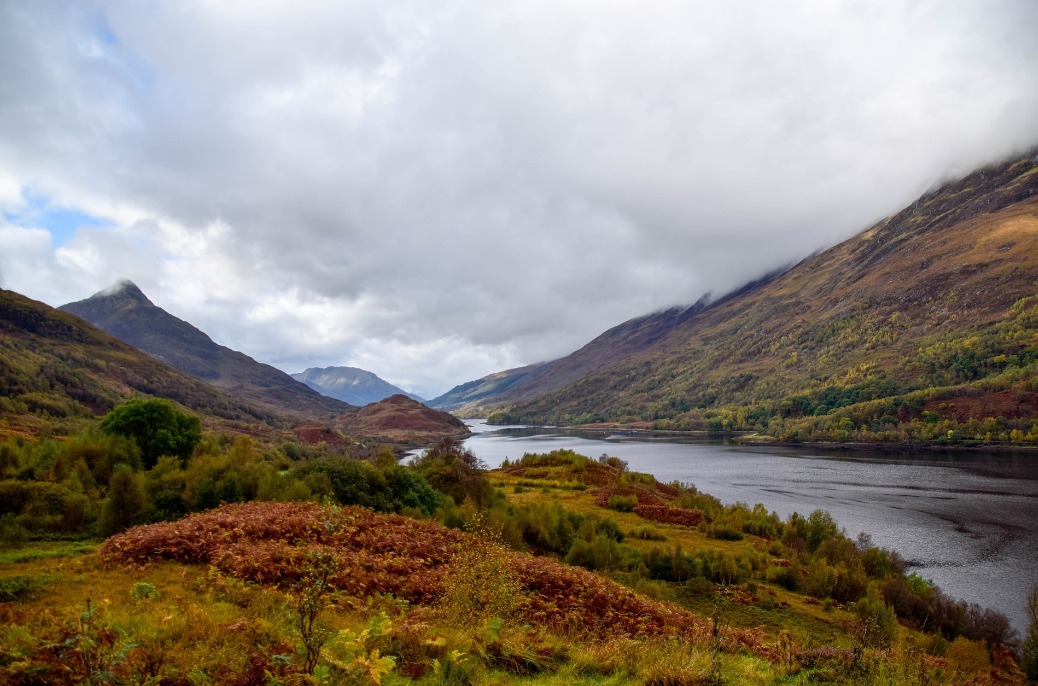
350	385
932	309
530	382
473	394
56	367
126	313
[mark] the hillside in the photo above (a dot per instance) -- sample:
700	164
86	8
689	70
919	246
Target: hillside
126	313
926	323
265	592
54	367
350	385
400	419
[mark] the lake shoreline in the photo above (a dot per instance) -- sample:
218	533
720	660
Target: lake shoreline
753	439
961	515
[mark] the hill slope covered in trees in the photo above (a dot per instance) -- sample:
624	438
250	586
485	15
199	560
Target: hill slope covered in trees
924	327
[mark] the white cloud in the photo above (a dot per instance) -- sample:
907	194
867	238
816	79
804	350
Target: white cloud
437	190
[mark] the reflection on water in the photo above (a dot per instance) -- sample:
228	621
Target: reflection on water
967	520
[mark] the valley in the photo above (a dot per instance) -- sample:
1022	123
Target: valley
137	453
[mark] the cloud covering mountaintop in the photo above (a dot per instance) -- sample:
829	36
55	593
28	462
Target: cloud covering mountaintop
434	191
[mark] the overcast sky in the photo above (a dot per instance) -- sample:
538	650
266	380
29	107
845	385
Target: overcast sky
434	191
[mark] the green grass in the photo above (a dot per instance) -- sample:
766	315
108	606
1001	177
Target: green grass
46	551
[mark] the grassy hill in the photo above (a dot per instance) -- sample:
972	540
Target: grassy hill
922	328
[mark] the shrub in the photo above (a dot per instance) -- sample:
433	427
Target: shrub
669	515
456	471
1029	647
724	533
143	590
647	532
480	582
622	503
410	489
16	587
600	553
101	452
352	482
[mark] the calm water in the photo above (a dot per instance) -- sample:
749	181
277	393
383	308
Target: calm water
968	521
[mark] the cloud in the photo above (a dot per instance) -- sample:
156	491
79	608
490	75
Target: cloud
437	190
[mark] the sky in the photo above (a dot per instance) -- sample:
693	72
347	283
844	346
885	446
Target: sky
434	191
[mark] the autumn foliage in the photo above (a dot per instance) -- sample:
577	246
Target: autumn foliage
387	554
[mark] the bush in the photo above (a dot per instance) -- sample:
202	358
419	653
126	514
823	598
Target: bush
1029	647
724	533
480	582
409	489
16	587
352	482
647	532
143	590
456	471
622	503
101	452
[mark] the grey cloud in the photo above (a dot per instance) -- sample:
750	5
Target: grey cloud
501	181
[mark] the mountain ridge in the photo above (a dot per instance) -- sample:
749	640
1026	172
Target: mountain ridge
350	384
126	312
889	313
56	367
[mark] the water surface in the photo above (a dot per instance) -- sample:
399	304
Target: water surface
966	520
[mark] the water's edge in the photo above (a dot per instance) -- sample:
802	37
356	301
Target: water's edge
966	519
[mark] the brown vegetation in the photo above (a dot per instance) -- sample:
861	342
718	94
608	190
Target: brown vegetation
270	542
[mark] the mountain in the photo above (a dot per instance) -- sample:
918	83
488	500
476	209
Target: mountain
401	419
924	326
350	385
472	394
126	313
55	367
528	383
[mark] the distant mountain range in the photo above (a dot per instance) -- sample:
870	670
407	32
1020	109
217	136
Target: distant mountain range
58	372
926	324
350	384
922	328
126	313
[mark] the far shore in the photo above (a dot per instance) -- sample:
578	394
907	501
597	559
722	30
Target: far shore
752	438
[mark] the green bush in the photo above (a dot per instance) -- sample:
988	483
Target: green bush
16	587
457	472
410	490
648	532
143	590
352	482
622	503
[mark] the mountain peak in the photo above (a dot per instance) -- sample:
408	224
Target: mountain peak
350	384
123	289
126	313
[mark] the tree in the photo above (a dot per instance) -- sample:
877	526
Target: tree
456	471
157	426
1029	649
126	501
